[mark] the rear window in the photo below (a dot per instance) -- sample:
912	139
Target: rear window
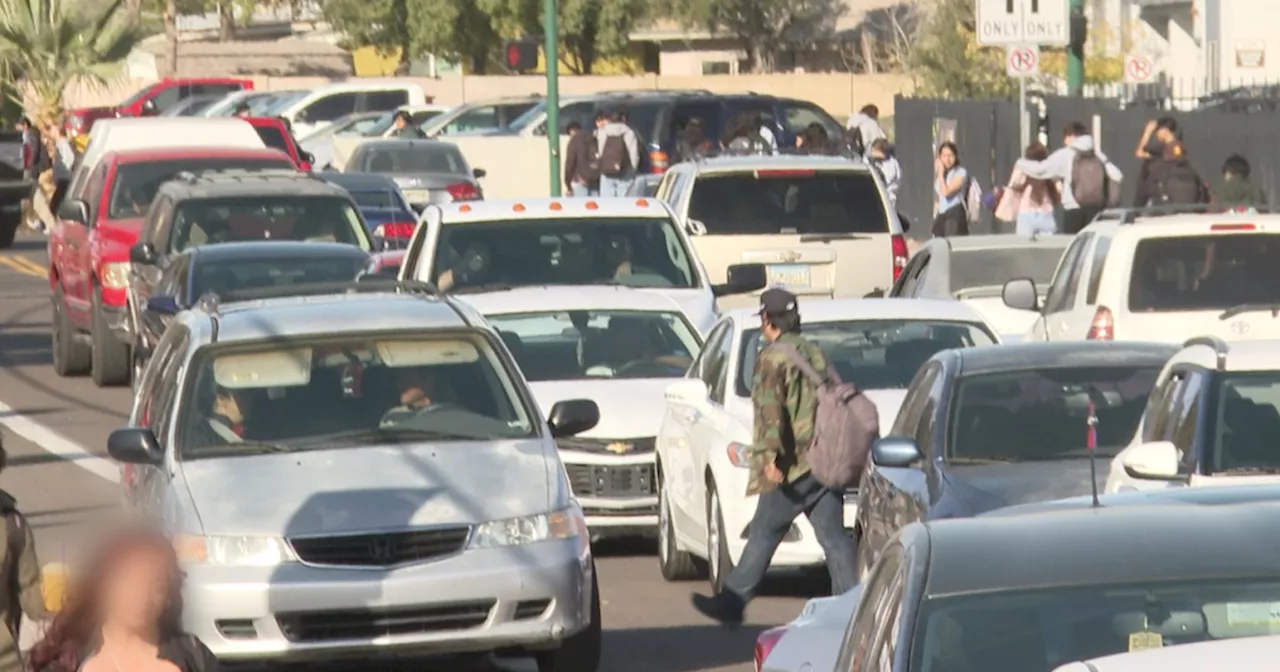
275	217
788	202
415	158
1205	272
242	275
273	138
971	269
382	199
136	184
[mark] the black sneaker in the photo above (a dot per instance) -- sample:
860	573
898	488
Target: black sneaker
725	608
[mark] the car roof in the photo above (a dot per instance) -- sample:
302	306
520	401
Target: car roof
1240	654
273	249
1260	355
838	310
360	181
779	162
1061	354
1237	494
1103	546
1181	223
234	183
391	143
126	156
547	299
1000	241
554	208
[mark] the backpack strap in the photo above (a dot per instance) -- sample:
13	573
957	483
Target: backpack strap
801	362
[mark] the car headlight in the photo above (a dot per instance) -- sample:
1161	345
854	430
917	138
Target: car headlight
227	550
566	523
115	275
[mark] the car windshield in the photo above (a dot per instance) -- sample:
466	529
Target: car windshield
273	138
280	101
1040	630
410	157
1205	272
275	217
1247	424
791	202
136	184
141	95
286	396
1044	414
635	252
873	354
598	344
238	275
527	118
974	269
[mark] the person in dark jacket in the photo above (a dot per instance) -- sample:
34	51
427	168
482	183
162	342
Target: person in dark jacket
1235	188
1172	180
124	614
581	165
1155	137
22	587
225	421
404	128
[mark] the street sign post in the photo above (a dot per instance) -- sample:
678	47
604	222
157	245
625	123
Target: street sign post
1007	23
1139	69
1022	61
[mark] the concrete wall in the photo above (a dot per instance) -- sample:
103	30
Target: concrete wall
839	94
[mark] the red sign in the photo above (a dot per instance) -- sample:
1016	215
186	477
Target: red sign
1139	68
1023	60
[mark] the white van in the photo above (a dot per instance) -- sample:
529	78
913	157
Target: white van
324	105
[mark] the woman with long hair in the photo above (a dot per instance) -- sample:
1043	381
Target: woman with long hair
1027	201
950	180
123	614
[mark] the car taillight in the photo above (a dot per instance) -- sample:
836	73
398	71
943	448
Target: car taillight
765	643
75	124
463	191
900	255
1233	227
395	230
1103	327
658	162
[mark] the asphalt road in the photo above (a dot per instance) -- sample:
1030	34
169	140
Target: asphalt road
47	423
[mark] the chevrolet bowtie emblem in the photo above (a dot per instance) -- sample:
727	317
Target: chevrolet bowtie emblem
618	448
788	256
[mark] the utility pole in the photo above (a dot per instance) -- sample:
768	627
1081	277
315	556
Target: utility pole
1079	27
551	50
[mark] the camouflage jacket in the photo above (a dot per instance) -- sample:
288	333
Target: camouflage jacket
22	591
786	406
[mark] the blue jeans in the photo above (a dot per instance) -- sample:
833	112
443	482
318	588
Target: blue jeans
582	190
616	186
775	511
1036	222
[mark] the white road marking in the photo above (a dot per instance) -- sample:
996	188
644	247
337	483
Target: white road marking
57	444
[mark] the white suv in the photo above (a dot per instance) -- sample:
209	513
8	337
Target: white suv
1211	420
1132	275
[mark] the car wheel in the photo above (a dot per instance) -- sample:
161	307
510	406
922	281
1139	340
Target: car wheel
71	357
111	365
675	564
720	564
581	652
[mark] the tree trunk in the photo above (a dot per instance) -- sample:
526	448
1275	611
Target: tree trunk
226	22
171	35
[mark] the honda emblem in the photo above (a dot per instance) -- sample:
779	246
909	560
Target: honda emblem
1240	328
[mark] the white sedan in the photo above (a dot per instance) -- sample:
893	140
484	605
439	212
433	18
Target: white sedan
877	344
619	347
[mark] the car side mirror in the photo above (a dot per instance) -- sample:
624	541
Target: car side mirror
695	227
905	221
896	452
134	445
162	305
1156	461
691	391
143	253
307	157
75	211
572	417
742	278
301	116
1020	294
479	173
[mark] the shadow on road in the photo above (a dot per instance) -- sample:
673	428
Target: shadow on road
30	244
687	648
26	348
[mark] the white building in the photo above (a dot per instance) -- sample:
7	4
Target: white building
1205	45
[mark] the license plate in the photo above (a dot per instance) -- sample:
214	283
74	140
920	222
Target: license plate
417	195
791	275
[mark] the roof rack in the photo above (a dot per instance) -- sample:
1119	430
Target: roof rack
1131	215
1220	348
211	301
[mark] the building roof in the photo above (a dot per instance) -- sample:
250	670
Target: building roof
287	57
1061	354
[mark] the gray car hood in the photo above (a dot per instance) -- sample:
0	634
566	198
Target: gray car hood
974	489
370	488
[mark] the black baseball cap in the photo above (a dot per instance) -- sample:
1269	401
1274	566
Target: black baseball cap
777	301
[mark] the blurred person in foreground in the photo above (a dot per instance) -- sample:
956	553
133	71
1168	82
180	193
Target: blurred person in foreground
1235	188
22	586
123	614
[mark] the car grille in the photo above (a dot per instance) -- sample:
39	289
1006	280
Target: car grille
320	626
381	550
595	480
602	446
602	512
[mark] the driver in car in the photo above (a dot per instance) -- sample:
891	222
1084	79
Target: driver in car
618	253
419	390
227	414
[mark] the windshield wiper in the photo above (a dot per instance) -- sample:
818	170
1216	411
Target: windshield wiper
1273	308
828	237
240	448
393	434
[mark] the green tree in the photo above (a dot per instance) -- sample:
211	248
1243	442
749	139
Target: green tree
48	44
946	61
765	29
382	24
594	29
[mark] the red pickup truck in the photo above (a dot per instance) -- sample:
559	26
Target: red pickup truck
164	93
89	270
276	135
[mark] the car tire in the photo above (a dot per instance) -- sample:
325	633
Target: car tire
111	364
581	652
71	357
675	564
719	562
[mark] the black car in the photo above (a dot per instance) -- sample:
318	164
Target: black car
1034	591
237	267
983	428
383	205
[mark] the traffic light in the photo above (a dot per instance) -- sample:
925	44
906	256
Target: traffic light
520	55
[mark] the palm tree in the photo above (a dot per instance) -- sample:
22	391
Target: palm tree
49	44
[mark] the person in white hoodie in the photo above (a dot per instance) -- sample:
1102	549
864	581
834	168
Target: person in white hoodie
889	168
867	121
1103	190
619	155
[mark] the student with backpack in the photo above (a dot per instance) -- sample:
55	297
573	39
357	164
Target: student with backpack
581	165
618	150
1090	183
1172	181
812	437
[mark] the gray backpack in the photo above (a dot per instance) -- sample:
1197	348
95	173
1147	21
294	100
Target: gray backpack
846	425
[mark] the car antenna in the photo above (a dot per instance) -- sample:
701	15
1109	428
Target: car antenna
1091	444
